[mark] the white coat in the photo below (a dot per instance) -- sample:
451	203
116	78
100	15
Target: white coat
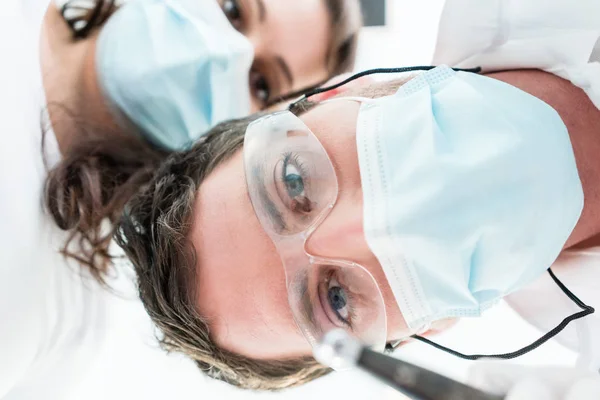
51	317
561	37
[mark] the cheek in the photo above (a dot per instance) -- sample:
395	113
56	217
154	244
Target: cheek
397	327
346	163
255	105
342	233
298	31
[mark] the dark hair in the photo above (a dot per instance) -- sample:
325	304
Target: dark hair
87	190
154	234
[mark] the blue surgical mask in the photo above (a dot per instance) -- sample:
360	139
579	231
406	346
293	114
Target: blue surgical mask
174	68
470	191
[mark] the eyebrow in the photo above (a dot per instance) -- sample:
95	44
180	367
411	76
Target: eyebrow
307	308
262	10
274	213
285	69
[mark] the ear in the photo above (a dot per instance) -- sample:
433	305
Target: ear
363	81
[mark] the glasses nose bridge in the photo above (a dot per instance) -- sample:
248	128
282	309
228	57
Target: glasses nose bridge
337	236
314	227
255	39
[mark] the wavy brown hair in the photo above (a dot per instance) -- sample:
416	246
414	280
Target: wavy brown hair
87	190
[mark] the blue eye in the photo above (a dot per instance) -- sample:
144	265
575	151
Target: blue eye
337	298
294	184
338	301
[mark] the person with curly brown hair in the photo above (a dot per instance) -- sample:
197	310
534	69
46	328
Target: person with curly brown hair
94	94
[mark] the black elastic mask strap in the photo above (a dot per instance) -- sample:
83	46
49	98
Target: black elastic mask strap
586	310
308	92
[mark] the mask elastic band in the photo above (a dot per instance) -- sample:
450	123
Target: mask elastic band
350	98
586	310
318	90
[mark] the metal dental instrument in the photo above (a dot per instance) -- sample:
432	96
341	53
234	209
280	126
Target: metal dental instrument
339	350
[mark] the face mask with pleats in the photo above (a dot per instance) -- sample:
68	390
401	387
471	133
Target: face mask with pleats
470	191
174	68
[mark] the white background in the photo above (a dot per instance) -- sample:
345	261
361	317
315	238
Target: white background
131	366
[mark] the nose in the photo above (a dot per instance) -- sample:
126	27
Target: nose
341	235
256	39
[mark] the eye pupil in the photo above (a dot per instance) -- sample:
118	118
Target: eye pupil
262	89
232	12
337	298
294	185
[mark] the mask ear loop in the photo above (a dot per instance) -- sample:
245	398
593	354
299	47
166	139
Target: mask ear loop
308	92
586	310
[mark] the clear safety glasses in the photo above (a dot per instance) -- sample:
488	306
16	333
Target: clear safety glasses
293	187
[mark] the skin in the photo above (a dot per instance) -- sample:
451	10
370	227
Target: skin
253	274
288	40
242	293
290	45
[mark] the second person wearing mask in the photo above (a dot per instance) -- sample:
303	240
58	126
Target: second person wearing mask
113	98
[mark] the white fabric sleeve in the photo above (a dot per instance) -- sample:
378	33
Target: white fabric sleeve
557	36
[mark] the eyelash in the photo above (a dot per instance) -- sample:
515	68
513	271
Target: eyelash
293	159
